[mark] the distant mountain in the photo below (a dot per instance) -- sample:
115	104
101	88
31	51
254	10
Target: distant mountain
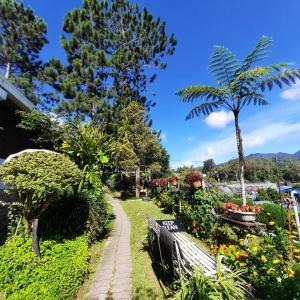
280	155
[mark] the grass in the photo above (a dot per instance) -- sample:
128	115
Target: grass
144	281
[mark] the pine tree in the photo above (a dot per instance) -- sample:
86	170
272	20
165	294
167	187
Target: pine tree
109	47
22	37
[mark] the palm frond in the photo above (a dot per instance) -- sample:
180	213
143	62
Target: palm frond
286	77
255	99
204	108
260	52
223	65
198	91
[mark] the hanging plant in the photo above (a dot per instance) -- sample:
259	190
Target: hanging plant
194	179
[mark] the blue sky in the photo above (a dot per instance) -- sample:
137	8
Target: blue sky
198	25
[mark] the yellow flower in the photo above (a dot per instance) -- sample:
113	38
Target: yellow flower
271	223
296	250
241	242
254	248
276	261
269	271
297	256
290	273
279	279
264	259
254	273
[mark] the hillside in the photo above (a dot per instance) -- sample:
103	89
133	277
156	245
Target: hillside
280	155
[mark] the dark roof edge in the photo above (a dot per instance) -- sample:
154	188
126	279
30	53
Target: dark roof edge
15	95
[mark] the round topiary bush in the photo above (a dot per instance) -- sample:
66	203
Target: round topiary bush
38	179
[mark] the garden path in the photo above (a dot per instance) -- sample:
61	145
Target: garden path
113	277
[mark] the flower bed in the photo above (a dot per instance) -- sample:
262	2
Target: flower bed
270	260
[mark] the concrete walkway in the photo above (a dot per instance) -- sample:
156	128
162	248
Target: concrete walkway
113	276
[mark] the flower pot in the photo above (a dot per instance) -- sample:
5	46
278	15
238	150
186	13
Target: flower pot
243	216
197	184
174	182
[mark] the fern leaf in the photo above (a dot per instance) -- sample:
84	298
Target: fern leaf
198	91
204	108
223	64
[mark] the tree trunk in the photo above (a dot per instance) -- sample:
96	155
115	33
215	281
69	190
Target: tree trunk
137	182
240	149
7	73
35	238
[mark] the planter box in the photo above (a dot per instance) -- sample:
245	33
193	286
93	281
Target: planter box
243	216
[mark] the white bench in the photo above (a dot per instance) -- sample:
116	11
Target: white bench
188	255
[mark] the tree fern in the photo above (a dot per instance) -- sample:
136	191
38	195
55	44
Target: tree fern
239	85
223	65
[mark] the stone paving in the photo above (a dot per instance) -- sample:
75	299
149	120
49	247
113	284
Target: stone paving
113	277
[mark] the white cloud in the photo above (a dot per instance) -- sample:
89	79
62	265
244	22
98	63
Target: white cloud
163	137
292	93
219	119
225	148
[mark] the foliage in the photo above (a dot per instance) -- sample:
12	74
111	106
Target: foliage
84	213
199	212
135	143
109	46
167	202
260	169
273	213
208	165
57	275
39	179
223	234
23	35
268	194
222	286
233	254
269	264
86	145
46	131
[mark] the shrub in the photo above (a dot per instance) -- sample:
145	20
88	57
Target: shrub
269	265
223	234
199	212
167	201
39	179
273	213
86	214
57	275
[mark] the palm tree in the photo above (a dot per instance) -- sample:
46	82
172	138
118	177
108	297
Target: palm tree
239	84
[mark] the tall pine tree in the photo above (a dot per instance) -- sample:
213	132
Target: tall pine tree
22	37
109	47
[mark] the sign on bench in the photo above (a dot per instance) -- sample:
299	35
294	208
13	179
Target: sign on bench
171	225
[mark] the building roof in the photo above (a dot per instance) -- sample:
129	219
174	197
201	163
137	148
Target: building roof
8	92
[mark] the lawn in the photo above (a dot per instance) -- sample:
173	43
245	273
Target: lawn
145	283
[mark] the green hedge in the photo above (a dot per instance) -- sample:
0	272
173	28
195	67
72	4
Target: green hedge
56	276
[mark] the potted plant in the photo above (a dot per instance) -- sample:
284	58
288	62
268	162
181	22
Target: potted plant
194	179
245	213
173	180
